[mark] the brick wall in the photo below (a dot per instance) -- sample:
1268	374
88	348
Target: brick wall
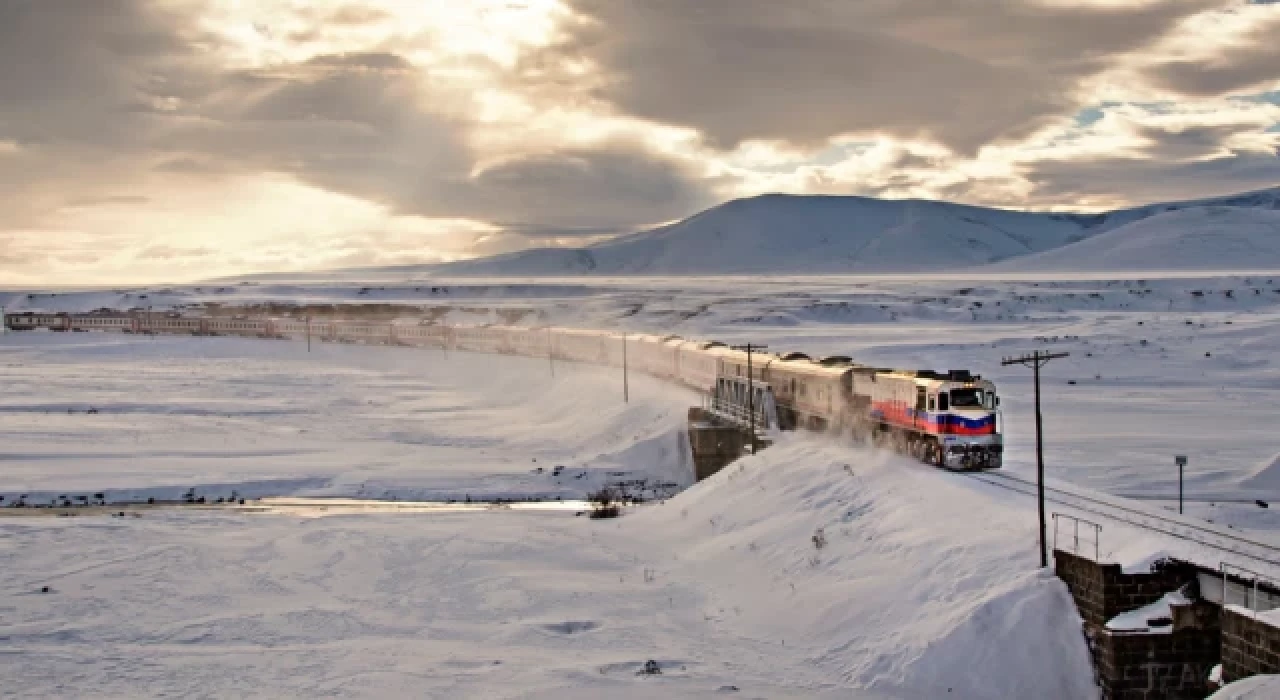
1142	666
1249	646
1102	591
1147	666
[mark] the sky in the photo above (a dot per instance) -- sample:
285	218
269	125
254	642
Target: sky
174	140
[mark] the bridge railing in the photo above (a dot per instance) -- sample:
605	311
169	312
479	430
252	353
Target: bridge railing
1249	594
1072	526
737	414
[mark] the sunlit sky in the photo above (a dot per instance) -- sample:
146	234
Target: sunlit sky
172	140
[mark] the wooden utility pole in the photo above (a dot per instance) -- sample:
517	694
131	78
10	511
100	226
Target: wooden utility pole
751	391
1035	361
551	354
626	390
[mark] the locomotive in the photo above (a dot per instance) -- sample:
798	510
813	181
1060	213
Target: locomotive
949	419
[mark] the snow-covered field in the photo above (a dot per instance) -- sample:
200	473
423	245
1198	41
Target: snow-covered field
269	418
723	586
925	581
1161	366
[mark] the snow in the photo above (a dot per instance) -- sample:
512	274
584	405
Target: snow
264	417
1262	687
1145	563
1144	620
926	582
1204	238
1266	477
780	234
722	585
1144	388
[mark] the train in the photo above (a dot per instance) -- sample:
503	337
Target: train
949	419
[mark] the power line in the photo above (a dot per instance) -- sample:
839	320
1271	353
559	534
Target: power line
1035	361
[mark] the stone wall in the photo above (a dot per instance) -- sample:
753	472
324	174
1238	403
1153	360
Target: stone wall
1249	646
1102	591
1174	665
713	446
1143	665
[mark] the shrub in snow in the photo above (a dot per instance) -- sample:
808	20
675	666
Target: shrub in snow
819	538
605	503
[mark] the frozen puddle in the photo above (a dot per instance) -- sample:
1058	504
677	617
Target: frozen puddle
320	507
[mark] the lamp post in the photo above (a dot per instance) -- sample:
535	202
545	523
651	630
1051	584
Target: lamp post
1181	461
751	393
1035	361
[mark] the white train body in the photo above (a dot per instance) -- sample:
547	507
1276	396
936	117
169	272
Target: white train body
949	419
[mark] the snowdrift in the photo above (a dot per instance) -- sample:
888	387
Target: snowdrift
1253	688
877	568
1265	477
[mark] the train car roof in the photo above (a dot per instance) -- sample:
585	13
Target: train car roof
807	368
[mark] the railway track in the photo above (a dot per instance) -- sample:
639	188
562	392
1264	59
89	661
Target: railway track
1203	535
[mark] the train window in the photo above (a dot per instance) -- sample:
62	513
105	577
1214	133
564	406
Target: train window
967	398
943	402
931	404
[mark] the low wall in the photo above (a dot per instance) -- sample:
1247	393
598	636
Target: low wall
1102	591
1172	665
1249	646
713	446
1136	665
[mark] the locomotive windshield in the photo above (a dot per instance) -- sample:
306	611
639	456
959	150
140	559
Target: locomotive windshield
968	398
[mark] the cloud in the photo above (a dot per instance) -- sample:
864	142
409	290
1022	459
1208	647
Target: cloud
1250	64
194	137
110	100
360	124
962	74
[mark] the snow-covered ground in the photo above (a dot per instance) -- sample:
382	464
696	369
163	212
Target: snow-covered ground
724	586
1161	366
269	418
924	582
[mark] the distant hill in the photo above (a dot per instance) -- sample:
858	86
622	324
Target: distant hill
828	235
1209	238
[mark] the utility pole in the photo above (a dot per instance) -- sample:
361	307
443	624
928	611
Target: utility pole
751	391
626	391
551	354
308	332
1035	361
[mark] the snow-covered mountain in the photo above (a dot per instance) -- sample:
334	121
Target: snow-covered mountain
1208	238
825	234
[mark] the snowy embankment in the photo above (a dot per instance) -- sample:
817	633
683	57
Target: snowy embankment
922	587
885	573
918	582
